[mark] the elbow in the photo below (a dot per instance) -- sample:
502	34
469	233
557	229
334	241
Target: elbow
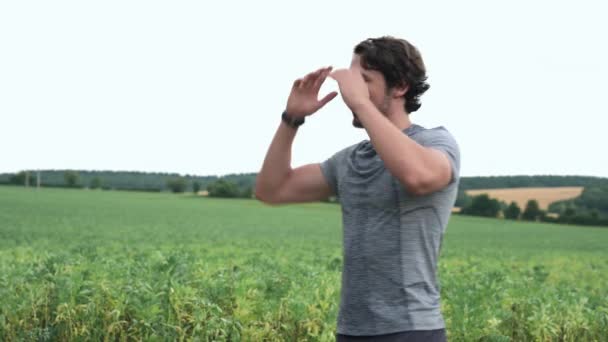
426	183
270	193
416	186
260	194
417	191
266	197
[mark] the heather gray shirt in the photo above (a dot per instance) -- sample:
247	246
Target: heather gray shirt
391	239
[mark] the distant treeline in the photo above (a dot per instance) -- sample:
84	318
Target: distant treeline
589	209
500	182
125	180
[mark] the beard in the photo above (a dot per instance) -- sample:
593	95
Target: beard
356	122
383	109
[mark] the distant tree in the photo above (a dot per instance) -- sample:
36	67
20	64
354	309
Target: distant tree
18	178
595	215
196	187
95	183
594	198
532	211
177	184
503	208
462	199
482	205
569	212
593	202
223	188
247	192
70	178
568	215
513	211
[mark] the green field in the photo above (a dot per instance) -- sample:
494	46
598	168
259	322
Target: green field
97	265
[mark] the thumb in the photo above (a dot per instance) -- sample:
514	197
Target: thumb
327	98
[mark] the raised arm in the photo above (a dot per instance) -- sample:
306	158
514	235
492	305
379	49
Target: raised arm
277	182
421	170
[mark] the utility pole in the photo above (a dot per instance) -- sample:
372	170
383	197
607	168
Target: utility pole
38	180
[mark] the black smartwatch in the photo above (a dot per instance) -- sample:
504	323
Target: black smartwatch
291	121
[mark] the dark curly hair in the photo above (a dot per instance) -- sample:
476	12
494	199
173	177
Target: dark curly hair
400	63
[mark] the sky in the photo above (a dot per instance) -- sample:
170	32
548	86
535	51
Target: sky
198	87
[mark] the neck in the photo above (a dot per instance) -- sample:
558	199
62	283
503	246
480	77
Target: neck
399	118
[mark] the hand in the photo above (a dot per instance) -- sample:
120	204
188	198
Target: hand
303	99
352	87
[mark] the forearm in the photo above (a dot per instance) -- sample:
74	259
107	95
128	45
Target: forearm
407	160
277	163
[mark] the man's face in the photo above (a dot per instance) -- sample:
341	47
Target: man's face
376	84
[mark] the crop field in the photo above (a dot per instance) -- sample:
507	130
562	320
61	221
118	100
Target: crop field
521	196
126	266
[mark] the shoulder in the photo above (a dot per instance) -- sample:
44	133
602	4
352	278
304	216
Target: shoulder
348	150
339	157
434	135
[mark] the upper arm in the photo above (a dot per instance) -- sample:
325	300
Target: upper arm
438	174
443	163
303	184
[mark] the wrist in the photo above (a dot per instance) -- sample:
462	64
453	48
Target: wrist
363	107
296	114
291	120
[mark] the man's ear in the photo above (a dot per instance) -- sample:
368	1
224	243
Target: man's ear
400	90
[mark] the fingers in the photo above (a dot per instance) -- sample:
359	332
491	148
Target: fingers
313	79
322	77
306	80
328	98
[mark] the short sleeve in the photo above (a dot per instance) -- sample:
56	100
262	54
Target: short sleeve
442	140
330	169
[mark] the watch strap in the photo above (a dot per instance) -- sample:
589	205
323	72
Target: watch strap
291	121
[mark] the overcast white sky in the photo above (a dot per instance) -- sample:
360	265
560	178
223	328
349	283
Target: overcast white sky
198	87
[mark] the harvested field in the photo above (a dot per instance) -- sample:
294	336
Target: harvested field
544	196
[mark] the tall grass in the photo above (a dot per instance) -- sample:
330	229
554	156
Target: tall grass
114	266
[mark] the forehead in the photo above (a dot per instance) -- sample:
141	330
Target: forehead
356	64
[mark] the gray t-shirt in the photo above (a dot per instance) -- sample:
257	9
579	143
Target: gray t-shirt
391	239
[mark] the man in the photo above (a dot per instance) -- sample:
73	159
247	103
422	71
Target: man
396	191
